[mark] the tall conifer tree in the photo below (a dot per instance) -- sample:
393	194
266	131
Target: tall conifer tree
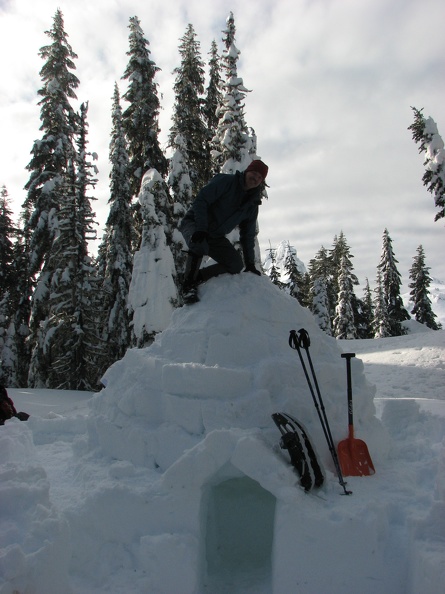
51	166
293	274
212	103
180	185
53	154
233	145
344	326
188	110
7	288
364	329
7	233
67	349
391	282
320	304
115	252
339	251
381	324
321	267
141	118
420	282
322	299
21	310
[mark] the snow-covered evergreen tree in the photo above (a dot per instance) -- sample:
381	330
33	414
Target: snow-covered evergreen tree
212	102
188	110
288	267
364	327
18	331
419	286
320	304
426	134
293	274
7	281
305	291
115	258
141	118
233	144
67	350
340	250
380	323
53	153
273	272
181	190
153	294
343	325
51	167
321	267
7	234
391	282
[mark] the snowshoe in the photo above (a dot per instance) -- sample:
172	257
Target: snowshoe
295	440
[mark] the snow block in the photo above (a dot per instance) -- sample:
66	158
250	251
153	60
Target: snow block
201	381
185	412
427	568
333	540
254	409
134	444
247	350
170	561
193	343
171	442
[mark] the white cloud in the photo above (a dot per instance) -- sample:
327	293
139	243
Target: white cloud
332	85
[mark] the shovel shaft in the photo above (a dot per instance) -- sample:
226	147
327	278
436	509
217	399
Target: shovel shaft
348	357
351	432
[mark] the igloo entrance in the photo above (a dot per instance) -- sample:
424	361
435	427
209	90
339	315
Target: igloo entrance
239	537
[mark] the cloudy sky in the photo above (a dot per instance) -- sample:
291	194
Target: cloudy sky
332	84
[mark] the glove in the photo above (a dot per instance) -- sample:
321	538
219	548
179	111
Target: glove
199	236
251	268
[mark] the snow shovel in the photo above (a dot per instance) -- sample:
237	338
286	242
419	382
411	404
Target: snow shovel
353	453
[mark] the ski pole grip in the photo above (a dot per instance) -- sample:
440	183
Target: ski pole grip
305	341
293	339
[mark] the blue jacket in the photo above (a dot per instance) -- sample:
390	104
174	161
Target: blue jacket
224	204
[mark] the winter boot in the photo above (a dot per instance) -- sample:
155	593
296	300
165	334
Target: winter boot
191	279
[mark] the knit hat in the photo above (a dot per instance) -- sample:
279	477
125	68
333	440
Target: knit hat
259	167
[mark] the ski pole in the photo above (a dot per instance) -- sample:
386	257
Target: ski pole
295	342
305	342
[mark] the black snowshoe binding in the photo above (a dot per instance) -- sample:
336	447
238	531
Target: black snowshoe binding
295	440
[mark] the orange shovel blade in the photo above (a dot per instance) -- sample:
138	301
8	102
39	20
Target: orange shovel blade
354	458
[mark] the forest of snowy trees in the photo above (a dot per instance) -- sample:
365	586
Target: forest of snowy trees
66	315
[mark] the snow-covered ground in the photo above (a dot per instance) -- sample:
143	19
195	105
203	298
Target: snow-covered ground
171	481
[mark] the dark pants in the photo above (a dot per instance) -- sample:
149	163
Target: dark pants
227	257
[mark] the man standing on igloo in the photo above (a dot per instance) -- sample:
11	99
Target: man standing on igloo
226	202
